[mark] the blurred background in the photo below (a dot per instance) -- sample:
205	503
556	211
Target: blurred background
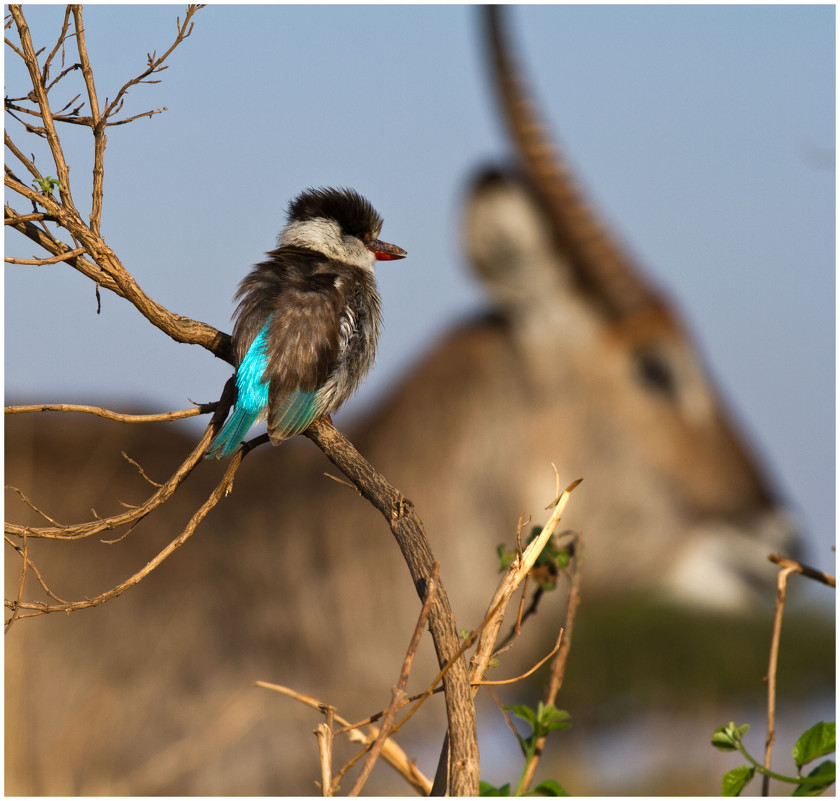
704	135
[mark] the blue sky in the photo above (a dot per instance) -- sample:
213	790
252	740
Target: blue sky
705	134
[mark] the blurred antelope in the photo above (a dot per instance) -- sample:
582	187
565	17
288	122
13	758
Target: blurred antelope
580	361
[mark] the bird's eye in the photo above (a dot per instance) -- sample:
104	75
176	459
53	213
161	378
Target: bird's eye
654	373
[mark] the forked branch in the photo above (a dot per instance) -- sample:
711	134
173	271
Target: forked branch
99	262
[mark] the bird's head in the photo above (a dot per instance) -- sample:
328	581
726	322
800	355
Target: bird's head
340	224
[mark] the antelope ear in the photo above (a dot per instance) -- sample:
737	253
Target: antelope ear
510	246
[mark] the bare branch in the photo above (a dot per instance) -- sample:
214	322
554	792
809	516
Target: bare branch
788	566
325	736
399	690
805	570
202	408
81	530
518	570
781	594
70	254
558	667
149	113
31	61
25	218
54	246
140	470
14	47
533	669
28	163
408	531
33	129
109	273
99	138
23	550
222	488
31	566
34	508
62	36
391	752
155	64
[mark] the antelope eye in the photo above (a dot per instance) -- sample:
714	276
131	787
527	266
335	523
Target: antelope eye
654	373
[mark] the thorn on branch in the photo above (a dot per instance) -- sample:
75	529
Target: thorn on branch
343	482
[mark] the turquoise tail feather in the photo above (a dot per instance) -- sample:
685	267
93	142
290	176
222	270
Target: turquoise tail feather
251	399
232	434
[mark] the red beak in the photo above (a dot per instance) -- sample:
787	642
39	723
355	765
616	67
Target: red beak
382	251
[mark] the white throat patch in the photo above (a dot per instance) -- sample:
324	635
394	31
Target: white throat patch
324	236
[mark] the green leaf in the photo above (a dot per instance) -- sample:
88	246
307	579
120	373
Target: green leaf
827	771
736	780
727	738
548	787
550	718
485	788
818	741
506	557
525	713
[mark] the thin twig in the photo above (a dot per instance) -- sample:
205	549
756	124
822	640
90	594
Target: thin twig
59	45
218	493
155	64
529	672
33	507
391	752
805	570
558	667
24	552
18	154
99	525
515	575
399	690
781	593
25	218
180	414
508	722
31	61
99	138
324	733
35	570
140	470
70	254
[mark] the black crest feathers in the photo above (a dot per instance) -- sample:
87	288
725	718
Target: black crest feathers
347	207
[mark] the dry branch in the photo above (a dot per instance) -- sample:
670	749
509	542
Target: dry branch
558	667
515	575
788	566
70	254
132	517
222	488
398	691
803	569
407	529
391	751
102	265
202	408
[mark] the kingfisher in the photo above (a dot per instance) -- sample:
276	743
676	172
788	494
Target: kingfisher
308	317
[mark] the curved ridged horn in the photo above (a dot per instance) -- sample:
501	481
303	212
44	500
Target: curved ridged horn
600	265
